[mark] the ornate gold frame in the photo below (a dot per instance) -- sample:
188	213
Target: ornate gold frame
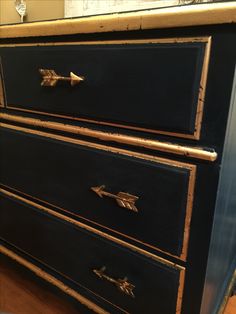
192	176
30	266
201	95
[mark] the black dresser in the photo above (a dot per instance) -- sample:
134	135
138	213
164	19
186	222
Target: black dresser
118	152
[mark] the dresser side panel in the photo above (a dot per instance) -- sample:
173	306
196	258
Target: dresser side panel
222	253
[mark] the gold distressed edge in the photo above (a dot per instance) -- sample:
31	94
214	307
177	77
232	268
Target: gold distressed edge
227	294
182	256
52	280
2	88
92	230
99	122
178	16
188	215
63	127
116	137
190	167
202	89
180	292
200	103
168	40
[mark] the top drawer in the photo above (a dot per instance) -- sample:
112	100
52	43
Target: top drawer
150	85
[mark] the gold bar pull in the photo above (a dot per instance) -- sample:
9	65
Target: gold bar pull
122	284
123	199
50	78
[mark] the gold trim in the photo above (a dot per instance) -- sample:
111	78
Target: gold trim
122	126
189	15
168	40
89	144
92	230
201	95
227	294
2	89
115	137
202	90
98	122
180	292
52	280
192	176
188	216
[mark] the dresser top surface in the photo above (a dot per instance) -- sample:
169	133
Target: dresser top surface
182	16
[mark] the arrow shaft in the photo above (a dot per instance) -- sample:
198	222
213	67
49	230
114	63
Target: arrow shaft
111	195
62	78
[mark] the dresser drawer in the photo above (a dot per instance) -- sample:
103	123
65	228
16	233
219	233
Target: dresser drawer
140	197
80	256
152	86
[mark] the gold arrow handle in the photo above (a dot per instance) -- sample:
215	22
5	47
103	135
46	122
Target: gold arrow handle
123	199
122	284
50	78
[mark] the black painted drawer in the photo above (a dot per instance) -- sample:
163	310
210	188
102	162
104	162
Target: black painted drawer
63	173
76	253
150	86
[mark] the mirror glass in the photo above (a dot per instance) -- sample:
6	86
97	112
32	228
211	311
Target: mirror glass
17	11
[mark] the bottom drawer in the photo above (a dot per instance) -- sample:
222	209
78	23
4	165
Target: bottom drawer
132	282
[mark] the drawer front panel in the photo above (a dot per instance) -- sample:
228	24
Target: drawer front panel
63	174
78	254
152	86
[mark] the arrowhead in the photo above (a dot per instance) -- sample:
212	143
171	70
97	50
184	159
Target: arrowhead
98	190
75	79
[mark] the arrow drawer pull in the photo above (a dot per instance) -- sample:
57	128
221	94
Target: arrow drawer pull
122	284
123	199
50	78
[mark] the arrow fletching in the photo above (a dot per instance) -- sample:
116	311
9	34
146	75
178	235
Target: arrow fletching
127	201
50	77
98	190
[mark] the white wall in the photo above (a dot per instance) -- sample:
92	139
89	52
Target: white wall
90	7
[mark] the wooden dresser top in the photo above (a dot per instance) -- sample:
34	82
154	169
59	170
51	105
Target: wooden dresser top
181	16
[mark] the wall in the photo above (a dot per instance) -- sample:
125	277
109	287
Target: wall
90	7
37	10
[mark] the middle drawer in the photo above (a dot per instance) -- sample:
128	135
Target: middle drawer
142	198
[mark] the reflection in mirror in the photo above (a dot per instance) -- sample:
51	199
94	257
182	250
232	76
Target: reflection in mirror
12	11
